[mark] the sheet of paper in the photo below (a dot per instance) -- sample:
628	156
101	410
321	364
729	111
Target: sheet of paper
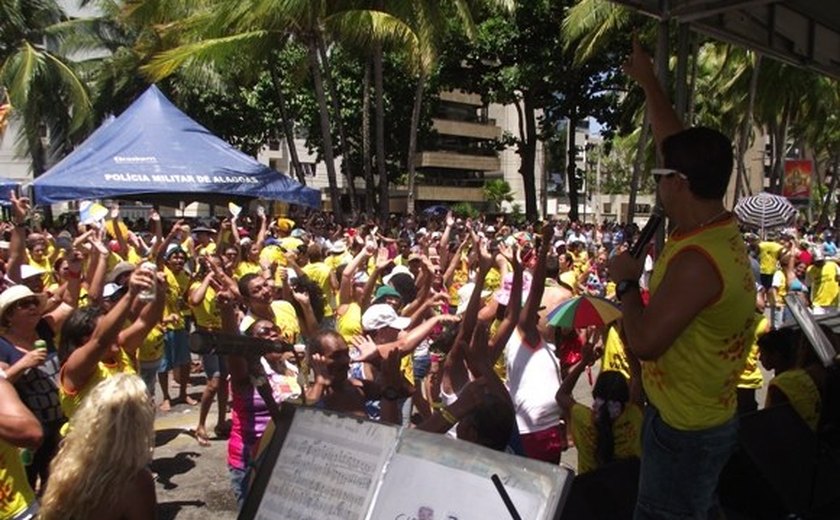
418	488
328	468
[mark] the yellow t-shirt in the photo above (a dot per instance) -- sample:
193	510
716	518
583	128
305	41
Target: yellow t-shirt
285	318
15	493
615	358
44	265
802	393
751	376
71	401
319	272
152	347
207	249
176	288
692	383
206	314
333	261
627	434
768	256
570	278
823	282
246	267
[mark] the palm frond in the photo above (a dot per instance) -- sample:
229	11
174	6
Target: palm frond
206	51
75	91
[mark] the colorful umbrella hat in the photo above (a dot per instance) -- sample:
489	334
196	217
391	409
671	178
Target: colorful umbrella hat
584	311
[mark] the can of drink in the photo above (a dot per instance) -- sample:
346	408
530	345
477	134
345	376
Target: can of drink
148	295
26	456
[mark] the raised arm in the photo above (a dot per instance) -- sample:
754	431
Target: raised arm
345	294
82	362
529	316
18	426
132	337
564	395
17	242
663	118
508	324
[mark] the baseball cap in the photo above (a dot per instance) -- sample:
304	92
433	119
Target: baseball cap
360	277
385	291
119	269
398	269
28	271
381	315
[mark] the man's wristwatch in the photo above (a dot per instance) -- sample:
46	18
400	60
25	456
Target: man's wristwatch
625	285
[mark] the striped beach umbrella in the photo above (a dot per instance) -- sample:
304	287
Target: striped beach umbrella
765	211
584	311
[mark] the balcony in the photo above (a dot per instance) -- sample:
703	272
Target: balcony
450	193
466	129
459	96
458	161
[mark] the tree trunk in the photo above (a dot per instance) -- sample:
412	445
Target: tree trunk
746	129
384	195
528	156
822	221
641	148
571	169
288	127
370	186
343	146
412	139
780	143
329	159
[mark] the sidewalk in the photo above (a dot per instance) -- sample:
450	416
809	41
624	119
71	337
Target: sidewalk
192	481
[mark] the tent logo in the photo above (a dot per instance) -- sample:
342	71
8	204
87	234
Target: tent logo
135	159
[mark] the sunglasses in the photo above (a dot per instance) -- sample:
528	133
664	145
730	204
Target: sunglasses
27	303
662	173
265	331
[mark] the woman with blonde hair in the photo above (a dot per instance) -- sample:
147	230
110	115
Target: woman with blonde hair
101	470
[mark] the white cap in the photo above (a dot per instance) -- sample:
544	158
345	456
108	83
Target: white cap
28	271
110	289
465	293
398	269
381	315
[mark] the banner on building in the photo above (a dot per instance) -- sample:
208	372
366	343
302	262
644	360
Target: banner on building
797	180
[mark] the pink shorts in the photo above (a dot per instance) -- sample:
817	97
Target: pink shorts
545	445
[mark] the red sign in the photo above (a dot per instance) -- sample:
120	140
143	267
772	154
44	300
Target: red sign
797	180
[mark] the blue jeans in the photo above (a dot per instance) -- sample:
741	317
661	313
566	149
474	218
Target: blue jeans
239	483
680	469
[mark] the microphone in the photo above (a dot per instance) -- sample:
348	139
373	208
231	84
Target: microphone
223	344
647	233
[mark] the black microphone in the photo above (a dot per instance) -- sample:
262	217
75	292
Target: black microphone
647	233
223	344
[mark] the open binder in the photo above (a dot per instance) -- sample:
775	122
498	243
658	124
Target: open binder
321	466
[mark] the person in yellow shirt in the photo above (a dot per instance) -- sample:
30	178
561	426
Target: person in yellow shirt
823	277
94	347
769	252
799	384
19	428
751	379
324	277
612	429
209	281
176	353
693	336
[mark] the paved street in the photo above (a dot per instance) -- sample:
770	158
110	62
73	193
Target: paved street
192	481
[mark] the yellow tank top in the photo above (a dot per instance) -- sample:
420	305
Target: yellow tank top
802	393
71	401
614	356
349	324
175	303
15	493
152	347
693	382
627	434
751	376
206	314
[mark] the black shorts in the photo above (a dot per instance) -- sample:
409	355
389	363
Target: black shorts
766	281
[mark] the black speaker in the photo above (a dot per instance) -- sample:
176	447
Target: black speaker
607	493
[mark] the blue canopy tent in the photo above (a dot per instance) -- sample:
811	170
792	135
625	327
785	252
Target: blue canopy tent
156	153
6	186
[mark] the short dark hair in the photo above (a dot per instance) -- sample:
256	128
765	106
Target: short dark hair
704	156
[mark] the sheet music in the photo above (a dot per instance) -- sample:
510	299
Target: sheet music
327	469
418	488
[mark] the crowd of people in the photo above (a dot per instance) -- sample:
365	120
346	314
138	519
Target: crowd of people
437	323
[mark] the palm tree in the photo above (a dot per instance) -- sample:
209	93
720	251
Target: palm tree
42	87
496	192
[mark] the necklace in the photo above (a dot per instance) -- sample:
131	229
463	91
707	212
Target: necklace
707	221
